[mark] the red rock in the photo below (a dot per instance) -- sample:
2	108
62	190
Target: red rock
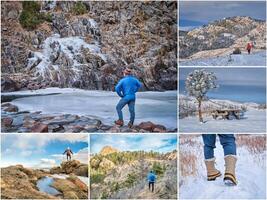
11	108
148	126
159	129
7	121
39	128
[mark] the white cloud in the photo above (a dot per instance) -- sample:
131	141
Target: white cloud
81	155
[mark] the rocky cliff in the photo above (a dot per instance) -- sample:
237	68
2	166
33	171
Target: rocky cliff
224	36
89	49
123	175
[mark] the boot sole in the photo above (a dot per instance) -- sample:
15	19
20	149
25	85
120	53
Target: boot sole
229	179
214	176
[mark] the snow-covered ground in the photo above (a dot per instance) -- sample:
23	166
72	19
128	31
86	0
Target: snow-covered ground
254	59
158	107
250	173
254	120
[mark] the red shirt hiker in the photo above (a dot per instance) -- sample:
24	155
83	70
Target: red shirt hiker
249	47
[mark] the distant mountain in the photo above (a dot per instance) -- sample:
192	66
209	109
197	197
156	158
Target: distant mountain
227	34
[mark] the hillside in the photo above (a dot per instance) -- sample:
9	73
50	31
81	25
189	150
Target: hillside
225	34
123	175
88	44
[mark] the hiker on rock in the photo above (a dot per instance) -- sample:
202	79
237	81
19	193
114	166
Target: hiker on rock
249	47
151	178
126	89
229	148
68	153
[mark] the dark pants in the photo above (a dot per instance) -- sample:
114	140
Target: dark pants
152	186
226	140
249	51
68	157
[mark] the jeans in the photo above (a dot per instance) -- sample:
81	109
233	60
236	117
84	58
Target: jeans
152	186
68	157
226	140
121	104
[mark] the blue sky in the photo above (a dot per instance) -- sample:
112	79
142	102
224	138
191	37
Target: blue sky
197	13
155	142
233	76
41	151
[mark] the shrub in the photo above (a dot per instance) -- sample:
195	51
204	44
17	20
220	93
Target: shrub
31	17
237	51
131	179
158	169
79	8
97	178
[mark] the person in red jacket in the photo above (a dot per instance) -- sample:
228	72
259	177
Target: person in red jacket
249	47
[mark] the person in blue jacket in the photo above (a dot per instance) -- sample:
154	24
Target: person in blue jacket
151	178
126	89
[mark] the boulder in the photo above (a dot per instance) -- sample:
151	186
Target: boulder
7	121
9	85
148	126
39	127
11	108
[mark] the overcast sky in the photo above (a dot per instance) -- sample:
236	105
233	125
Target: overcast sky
159	143
41	151
197	13
233	76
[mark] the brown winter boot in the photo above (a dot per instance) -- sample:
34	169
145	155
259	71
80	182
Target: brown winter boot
130	125
212	172
229	175
119	122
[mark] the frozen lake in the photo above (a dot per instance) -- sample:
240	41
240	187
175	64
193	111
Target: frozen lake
158	107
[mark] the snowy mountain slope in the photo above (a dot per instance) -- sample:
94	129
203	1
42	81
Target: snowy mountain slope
255	59
250	171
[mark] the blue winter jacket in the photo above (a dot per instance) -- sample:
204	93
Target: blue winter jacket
127	87
151	177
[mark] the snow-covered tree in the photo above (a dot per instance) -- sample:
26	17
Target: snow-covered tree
198	83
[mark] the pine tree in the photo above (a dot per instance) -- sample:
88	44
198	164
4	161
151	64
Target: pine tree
198	83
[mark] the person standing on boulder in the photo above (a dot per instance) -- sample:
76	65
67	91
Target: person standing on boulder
249	47
229	148
151	178
68	153
126	89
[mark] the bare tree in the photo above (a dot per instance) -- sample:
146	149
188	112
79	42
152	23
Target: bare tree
198	83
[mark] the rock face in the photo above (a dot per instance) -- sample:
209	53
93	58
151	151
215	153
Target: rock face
71	167
108	150
18	182
226	34
91	50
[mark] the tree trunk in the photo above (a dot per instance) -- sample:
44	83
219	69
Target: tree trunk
199	111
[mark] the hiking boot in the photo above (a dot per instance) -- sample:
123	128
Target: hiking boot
212	172
119	122
130	125
229	175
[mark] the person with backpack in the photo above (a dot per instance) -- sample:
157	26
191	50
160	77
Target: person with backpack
229	147
68	153
151	178
249	47
126	89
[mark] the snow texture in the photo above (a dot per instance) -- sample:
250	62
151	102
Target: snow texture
254	59
250	173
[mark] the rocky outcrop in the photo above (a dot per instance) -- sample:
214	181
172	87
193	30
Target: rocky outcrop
226	34
71	167
108	150
18	182
91	50
71	188
14	120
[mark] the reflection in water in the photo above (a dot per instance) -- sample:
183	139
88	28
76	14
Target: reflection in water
44	186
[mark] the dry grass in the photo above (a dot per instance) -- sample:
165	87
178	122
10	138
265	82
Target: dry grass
188	164
254	143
